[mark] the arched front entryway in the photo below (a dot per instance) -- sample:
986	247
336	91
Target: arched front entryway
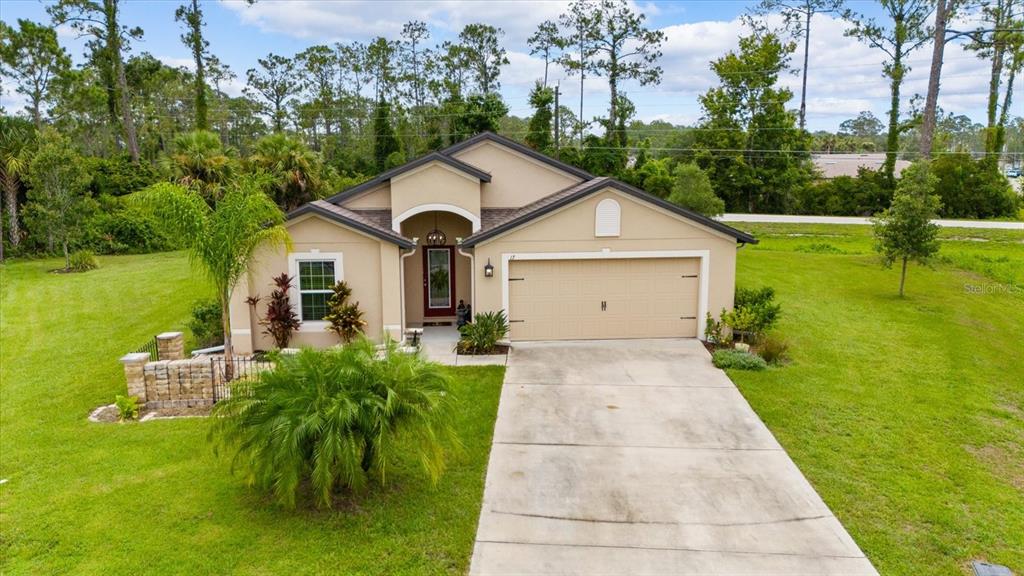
437	277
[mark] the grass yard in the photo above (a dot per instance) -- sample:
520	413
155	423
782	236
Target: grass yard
85	498
906	414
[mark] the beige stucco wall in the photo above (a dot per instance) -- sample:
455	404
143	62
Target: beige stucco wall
378	197
435	183
369	265
516	179
644	227
454	226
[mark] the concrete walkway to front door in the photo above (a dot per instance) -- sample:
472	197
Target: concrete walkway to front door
640	457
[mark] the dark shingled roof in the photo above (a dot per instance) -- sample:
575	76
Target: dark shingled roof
493	221
491	217
571	194
379	216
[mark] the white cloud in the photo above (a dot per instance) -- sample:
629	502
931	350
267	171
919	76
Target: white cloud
845	74
177	62
330	20
66	32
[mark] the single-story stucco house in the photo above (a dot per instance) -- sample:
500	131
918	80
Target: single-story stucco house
495	224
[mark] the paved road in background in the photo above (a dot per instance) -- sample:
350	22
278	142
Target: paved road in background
786	219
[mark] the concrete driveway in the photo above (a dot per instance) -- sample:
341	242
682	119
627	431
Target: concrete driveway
640	457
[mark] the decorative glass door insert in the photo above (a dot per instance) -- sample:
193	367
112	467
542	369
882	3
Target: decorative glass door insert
439	279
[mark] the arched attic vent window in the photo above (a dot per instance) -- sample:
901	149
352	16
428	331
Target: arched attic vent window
606	219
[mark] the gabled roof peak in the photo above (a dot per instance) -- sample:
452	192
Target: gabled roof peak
455	163
518	147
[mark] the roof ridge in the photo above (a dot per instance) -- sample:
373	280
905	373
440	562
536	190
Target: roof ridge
568	195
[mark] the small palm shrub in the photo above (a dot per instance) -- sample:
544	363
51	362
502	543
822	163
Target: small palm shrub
737	359
481	336
328	420
127	407
773	349
83	261
281	319
345	317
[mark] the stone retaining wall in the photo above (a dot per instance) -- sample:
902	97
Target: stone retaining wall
178	382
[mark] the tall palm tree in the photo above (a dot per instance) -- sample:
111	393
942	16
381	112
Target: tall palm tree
16	137
222	239
331	416
199	160
296	170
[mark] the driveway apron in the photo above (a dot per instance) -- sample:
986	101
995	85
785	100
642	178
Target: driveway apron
640	457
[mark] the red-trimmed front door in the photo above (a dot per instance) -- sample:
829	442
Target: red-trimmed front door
439	281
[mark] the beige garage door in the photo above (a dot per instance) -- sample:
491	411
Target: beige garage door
595	299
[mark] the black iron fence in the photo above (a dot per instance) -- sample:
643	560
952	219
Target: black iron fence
150	348
234	374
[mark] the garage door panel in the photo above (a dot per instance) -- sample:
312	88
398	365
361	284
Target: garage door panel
645	298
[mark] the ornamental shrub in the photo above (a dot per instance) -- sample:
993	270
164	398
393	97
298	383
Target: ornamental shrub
738	359
754	313
206	325
345	317
83	261
481	336
281	319
127	407
773	349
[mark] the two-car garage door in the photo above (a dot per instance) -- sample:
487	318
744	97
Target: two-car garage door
603	298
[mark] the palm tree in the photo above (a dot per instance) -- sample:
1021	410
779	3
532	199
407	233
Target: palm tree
222	239
329	417
295	169
199	160
15	150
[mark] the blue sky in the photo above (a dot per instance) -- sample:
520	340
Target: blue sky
845	75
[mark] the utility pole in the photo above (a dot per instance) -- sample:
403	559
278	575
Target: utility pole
558	132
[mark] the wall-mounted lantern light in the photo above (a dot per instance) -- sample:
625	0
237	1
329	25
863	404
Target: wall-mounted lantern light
488	269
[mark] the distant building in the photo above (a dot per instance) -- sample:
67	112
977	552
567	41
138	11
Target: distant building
833	165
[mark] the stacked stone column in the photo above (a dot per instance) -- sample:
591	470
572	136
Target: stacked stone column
134	367
170	345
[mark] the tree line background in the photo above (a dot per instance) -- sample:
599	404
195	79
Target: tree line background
330	116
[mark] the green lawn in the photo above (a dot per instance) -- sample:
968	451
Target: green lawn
906	414
84	498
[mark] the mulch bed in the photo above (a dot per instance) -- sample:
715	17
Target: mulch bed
108	414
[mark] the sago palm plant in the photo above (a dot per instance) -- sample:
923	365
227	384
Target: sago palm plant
328	419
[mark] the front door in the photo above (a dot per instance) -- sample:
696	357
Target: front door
439	281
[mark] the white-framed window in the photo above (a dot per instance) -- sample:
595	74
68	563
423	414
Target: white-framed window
606	218
314	274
